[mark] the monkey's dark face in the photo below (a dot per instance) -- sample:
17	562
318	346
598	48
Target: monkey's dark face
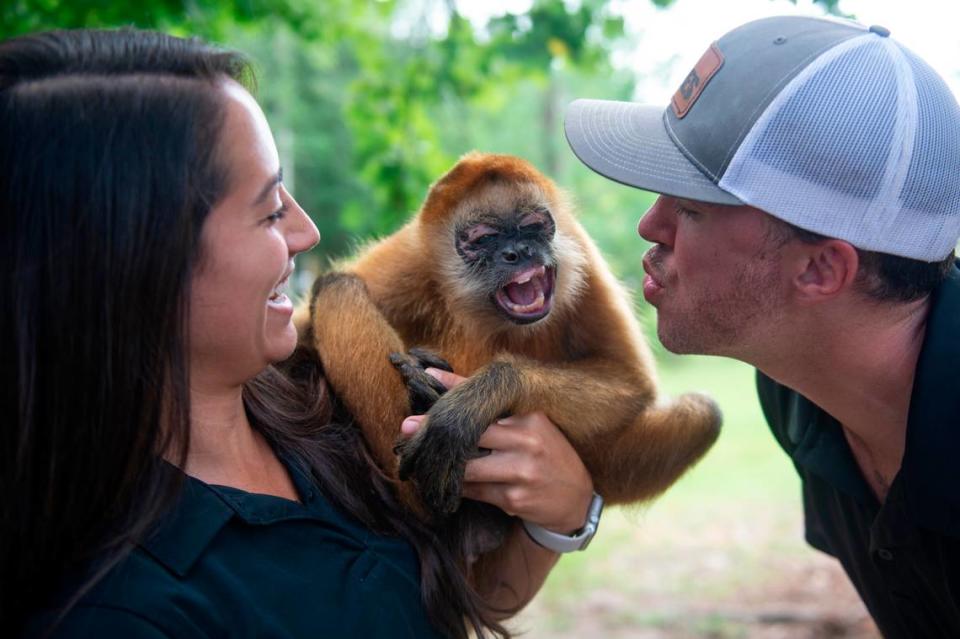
511	259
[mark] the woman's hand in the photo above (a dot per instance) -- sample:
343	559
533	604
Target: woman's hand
532	471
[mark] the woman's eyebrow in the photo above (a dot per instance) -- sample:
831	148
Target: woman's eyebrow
268	187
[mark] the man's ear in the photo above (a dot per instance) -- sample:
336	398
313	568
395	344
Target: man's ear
824	270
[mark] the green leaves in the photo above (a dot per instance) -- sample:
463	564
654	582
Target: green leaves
367	115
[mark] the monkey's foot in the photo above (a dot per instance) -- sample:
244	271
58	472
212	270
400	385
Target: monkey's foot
427	358
424	389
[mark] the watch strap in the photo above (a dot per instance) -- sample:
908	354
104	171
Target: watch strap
559	542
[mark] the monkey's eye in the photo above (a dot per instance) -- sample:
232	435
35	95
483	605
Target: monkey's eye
479	233
537	221
531	220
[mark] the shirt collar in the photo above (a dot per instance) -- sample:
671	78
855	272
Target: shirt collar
931	469
185	532
822	449
203	510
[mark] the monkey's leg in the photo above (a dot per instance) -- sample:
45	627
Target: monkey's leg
354	342
641	460
634	445
633	449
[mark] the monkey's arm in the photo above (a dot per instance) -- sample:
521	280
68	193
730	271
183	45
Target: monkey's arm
353	341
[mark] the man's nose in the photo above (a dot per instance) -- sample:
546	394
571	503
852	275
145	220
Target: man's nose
658	224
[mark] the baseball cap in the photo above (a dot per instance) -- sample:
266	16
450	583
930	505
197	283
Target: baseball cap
826	124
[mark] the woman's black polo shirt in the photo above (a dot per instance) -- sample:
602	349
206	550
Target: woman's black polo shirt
228	563
903	556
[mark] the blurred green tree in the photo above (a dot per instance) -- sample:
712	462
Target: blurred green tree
400	147
210	19
371	101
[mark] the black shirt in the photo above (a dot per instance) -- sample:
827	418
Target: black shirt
903	556
228	563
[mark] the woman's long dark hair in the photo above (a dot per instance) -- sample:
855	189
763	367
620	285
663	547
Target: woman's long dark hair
108	170
293	410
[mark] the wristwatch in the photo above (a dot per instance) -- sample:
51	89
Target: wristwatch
568	543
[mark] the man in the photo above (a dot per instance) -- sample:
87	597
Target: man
810	180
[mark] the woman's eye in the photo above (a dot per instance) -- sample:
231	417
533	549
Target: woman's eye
277	215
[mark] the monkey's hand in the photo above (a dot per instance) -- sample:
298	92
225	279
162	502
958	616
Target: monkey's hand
424	389
435	457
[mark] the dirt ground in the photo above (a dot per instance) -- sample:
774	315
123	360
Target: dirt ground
713	582
813	600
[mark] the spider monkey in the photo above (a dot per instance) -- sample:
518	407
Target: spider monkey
496	276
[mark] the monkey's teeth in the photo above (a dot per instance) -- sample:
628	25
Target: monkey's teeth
527	295
528	275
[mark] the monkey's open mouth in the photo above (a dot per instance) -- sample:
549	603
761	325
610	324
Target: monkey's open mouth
528	296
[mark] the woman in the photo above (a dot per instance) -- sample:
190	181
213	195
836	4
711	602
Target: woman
161	478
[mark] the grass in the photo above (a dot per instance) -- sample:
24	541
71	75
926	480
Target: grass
711	536
746	462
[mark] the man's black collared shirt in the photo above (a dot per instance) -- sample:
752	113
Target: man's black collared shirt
903	555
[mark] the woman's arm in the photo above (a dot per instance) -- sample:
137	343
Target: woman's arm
532	472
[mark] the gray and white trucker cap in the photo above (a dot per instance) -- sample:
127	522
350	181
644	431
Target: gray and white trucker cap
829	125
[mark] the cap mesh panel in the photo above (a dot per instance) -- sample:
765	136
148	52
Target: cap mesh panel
931	181
862	145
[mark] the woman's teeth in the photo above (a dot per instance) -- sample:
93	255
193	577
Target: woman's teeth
279	292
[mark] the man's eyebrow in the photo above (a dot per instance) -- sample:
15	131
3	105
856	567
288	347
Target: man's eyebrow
268	187
697	205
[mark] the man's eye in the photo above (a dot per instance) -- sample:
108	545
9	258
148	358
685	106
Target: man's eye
682	210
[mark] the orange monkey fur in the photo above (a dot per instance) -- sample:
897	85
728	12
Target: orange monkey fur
585	364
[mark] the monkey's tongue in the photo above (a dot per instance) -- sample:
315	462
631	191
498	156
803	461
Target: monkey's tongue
528	294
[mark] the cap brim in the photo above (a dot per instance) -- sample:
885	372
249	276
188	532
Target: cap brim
628	143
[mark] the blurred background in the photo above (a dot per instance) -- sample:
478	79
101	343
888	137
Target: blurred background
370	101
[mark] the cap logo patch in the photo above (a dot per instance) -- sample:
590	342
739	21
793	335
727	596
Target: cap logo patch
696	81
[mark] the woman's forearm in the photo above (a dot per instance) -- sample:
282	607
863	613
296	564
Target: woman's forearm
510	577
